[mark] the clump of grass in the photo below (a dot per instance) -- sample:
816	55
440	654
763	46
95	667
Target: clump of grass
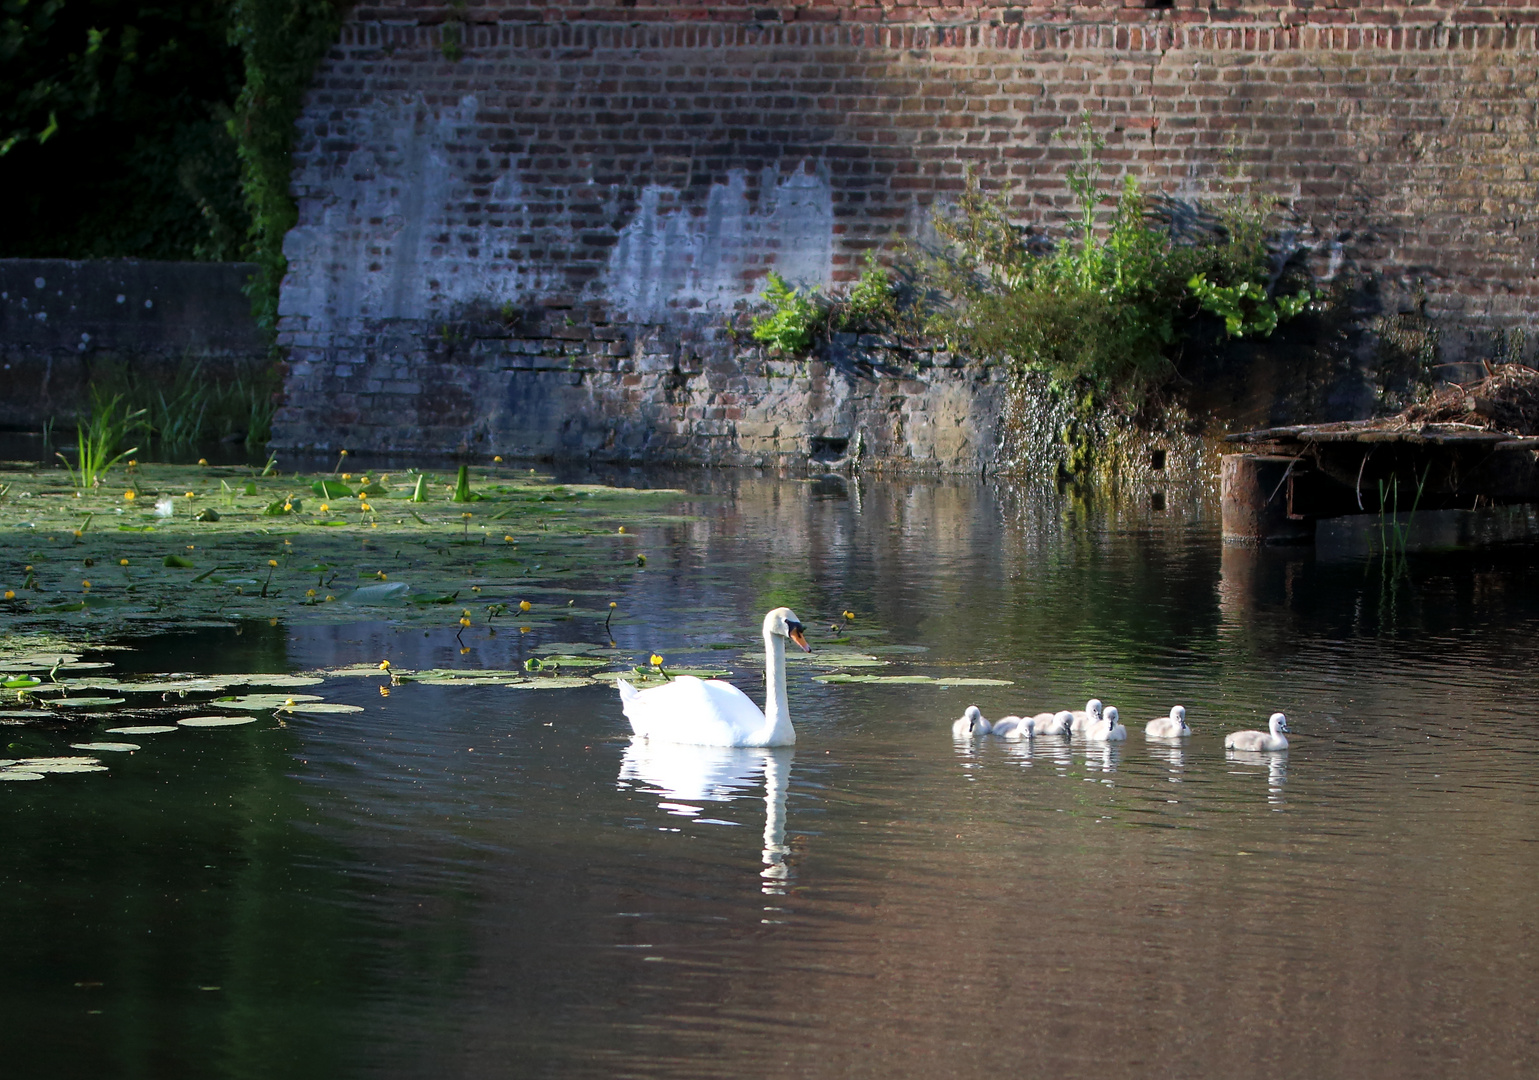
97	440
196	408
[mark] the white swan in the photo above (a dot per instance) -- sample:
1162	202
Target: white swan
971	724
1271	739
1108	730
1090	715
1058	723
1014	728
1173	726
709	712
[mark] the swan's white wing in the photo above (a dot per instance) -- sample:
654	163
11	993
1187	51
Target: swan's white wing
704	712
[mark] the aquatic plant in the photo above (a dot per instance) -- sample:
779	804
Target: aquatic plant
97	440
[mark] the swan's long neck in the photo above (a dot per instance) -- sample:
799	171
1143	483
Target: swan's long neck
776	715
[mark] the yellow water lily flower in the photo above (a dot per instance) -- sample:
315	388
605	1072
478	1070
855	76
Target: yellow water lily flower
129	495
524	605
657	661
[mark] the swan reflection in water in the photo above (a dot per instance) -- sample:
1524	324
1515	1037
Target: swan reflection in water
1276	770
684	775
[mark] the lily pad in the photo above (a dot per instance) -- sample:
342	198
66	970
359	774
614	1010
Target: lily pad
83	702
262	701
458	677
143	729
836	659
19	774
215	721
62	764
23	714
320	707
22	682
546	663
332	489
840	679
110	747
552	682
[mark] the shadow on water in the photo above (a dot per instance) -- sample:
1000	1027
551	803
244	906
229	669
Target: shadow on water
485	882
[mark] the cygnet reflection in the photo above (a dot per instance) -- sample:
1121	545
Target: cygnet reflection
1169	752
1103	757
683	775
1276	771
1020	753
1058	751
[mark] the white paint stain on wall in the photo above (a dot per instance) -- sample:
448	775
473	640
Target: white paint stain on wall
405	226
386	232
670	258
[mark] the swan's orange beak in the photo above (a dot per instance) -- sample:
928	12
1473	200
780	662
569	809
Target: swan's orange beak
797	636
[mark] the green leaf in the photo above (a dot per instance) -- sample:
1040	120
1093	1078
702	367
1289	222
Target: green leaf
179	562
332	489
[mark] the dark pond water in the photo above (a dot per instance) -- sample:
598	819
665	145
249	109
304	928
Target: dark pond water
480	882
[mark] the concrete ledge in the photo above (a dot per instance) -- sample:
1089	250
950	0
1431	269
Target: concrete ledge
63	320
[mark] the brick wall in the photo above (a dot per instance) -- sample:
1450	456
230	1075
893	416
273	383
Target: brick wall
599	183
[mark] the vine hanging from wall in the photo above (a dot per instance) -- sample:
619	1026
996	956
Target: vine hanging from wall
281	42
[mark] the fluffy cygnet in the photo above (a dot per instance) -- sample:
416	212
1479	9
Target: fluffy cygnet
971	725
1109	729
1271	739
1169	727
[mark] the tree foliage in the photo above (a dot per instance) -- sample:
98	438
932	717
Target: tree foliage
155	130
114	137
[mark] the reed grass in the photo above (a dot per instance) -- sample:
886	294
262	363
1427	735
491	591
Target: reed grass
97	440
196	408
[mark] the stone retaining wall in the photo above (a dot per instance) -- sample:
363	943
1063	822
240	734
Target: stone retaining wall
63	321
484	389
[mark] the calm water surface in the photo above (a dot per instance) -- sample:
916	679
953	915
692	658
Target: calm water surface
479	882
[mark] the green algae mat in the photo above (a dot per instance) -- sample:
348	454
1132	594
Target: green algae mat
157	547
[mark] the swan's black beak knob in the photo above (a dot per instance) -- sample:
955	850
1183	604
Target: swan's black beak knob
795	632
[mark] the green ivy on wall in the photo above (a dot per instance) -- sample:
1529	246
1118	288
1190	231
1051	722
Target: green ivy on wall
281	42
